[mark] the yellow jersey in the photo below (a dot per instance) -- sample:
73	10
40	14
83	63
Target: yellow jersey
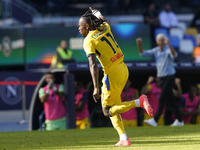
103	45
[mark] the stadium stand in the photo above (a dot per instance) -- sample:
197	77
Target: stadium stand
63	13
192	31
174	41
190	37
182	26
176	32
186	46
161	30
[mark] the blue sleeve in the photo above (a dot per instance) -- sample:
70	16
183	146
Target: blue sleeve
148	53
182	103
172	56
84	98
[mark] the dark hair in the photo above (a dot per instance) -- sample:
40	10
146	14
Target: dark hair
193	85
92	20
49	73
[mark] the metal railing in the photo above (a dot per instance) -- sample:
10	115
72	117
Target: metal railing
29	9
18	10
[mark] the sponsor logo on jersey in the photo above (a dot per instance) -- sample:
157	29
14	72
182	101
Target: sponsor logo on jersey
116	57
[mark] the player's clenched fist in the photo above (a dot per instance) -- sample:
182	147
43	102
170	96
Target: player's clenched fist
139	40
166	40
177	80
150	80
96	94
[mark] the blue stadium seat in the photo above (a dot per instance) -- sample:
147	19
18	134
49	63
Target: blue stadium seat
190	37
174	41
176	32
161	30
186	47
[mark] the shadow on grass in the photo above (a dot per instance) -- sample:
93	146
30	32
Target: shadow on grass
165	142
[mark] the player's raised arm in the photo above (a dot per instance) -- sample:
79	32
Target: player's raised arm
173	52
94	70
139	45
145	89
97	13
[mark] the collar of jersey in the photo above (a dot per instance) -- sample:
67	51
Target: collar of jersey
92	30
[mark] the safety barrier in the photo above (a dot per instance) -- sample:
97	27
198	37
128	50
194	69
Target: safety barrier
23	86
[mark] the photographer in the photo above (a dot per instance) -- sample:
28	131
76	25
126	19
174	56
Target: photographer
52	96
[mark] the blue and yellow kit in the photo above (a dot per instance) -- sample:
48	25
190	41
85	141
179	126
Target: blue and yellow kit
100	42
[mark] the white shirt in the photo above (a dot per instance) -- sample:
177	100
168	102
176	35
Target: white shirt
168	19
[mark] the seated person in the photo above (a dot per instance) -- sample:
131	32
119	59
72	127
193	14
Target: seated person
62	56
153	91
189	104
52	96
196	53
196	20
81	103
168	18
130	117
151	18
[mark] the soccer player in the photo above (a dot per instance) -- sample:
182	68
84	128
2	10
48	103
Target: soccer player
100	42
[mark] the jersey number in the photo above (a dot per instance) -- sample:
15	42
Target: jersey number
108	42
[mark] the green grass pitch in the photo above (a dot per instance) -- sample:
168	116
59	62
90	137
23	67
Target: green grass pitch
142	138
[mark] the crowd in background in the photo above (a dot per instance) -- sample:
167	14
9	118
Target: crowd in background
116	7
54	104
185	38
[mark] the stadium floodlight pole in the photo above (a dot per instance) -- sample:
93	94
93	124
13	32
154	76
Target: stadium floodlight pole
69	100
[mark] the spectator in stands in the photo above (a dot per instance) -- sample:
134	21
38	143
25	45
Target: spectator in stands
167	18
164	56
124	5
62	56
151	18
153	91
129	117
81	103
52	96
189	104
196	53
196	20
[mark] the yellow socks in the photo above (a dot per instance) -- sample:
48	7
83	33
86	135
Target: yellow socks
118	123
123	107
115	116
